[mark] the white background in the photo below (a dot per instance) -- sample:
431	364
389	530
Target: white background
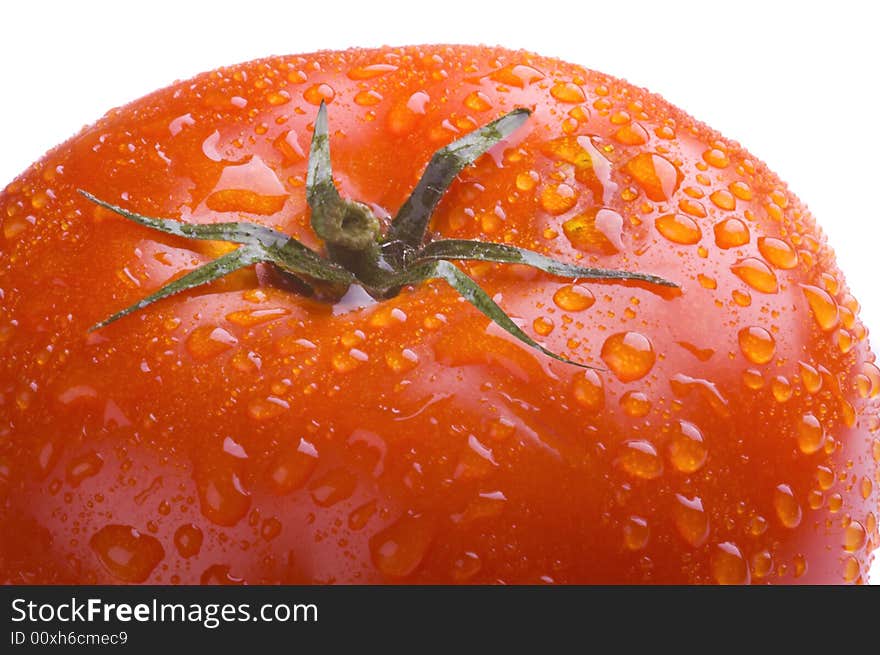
796	83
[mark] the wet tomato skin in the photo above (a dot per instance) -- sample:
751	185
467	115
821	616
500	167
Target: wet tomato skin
243	433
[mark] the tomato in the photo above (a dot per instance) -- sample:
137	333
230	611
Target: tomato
244	432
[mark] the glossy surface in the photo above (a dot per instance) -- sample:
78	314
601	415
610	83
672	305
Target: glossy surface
243	433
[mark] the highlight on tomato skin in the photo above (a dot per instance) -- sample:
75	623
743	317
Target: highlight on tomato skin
243	432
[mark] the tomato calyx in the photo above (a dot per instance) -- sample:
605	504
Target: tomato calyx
358	252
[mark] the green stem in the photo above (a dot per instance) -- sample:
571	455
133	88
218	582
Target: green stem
344	225
352	235
411	222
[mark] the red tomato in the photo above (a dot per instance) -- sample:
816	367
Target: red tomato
242	432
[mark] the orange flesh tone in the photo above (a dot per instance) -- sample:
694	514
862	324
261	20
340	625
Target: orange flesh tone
243	433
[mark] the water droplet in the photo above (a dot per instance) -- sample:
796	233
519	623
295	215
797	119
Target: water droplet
679	228
478	101
277	98
756	274
707	282
781	388
434	321
741	190
629	355
333	487
219	575
126	553
114	417
636	533
404	115
787	507
317	93
753	379
848	416
15	226
360	516
233	448
491	222
223	499
762	564
399	549
731	233
757	526
824	308
851	569
757	344
543	325
844	341
854	537
665	132
717	158
371	71
209	341
810	377
347	361
252	317
598	230
658	177
728	565
691	520
84	466
635	403
292	466
466	567
866	487
518	75
778	252
631	134
527	181
485	505
591	168
825	477
692	207
567	92
501	429
41	198
47	456
417	103
270	528
401	360
573	298
557	199
188	540
288	145
589	390
367	98
723	199
800	565
387	315
835	503
264	409
811	436
639	458
686	449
